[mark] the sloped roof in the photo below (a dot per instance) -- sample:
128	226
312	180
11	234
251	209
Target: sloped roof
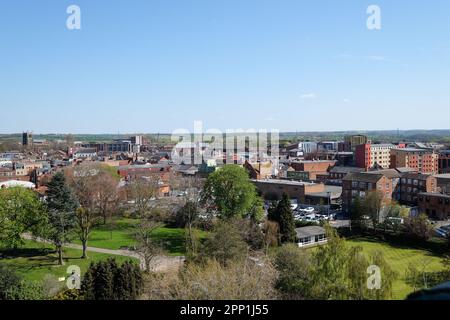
363	177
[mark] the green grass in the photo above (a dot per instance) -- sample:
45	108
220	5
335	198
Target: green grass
35	260
399	258
120	234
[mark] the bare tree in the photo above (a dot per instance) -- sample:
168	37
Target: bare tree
141	193
147	246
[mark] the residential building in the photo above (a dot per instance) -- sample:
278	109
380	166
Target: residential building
369	156
422	160
411	184
444	161
336	174
361	184
435	205
443	182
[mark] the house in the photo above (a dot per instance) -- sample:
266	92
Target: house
310	236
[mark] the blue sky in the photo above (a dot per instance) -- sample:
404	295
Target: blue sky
158	65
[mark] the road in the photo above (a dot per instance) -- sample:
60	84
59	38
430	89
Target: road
161	263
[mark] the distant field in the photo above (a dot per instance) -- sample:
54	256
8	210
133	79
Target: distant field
35	260
120	235
399	258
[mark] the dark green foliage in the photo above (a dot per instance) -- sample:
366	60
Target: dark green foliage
13	287
285	218
106	280
20	212
229	192
61	207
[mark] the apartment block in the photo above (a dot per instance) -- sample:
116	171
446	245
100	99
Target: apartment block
444	161
369	156
422	160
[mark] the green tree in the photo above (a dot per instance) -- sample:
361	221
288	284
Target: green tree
330	269
61	206
229	192
418	227
283	212
20	212
294	267
372	206
225	243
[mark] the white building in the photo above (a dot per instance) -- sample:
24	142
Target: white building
15	183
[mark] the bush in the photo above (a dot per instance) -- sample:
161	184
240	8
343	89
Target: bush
13	287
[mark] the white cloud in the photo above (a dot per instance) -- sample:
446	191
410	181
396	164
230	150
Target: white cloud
310	95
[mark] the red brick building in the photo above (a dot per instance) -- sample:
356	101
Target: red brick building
422	160
435	205
444	161
411	184
313	167
361	184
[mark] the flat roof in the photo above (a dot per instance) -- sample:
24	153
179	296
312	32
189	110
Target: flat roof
289	182
434	194
443	176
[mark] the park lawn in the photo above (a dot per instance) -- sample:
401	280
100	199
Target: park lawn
120	235
35	260
399	259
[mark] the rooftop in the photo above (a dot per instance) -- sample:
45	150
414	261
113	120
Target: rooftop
310	231
286	182
434	194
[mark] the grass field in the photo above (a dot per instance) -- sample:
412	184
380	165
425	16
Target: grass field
399	258
36	260
119	235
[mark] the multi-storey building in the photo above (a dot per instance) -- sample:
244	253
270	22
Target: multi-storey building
350	142
361	184
369	156
422	160
444	161
443	182
411	184
435	205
